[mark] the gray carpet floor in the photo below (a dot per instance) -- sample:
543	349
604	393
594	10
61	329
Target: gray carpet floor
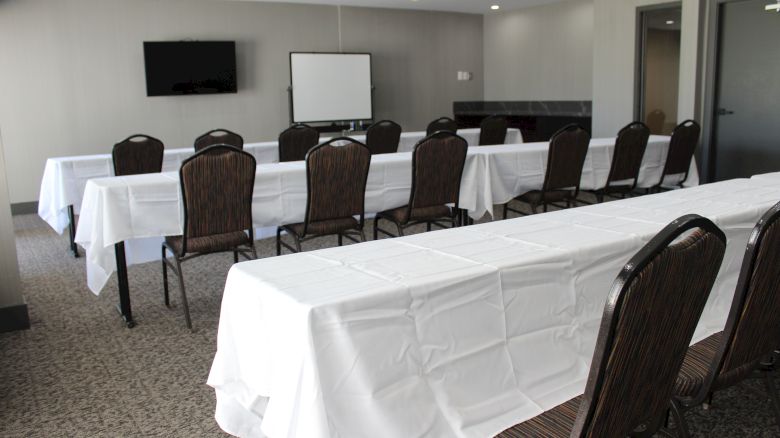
79	372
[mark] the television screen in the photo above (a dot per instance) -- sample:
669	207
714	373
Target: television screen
190	67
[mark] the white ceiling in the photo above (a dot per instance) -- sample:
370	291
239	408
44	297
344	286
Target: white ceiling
468	6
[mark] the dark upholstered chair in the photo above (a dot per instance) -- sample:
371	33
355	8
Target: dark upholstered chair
437	168
219	136
655	121
649	318
752	331
442	124
685	137
216	189
383	137
492	130
336	190
295	141
566	156
137	154
630	147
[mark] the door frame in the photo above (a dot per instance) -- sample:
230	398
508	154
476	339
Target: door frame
639	54
710	96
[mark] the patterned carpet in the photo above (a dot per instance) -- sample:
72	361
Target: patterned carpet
79	372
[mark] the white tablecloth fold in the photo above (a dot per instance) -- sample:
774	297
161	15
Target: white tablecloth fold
65	178
453	333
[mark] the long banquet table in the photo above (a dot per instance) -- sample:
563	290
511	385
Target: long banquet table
453	333
138	210
65	178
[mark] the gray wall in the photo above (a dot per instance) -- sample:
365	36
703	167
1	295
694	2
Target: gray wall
540	53
73	82
614	51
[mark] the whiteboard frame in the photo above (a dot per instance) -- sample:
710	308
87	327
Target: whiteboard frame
290	90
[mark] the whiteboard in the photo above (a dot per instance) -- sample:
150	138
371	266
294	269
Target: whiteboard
330	87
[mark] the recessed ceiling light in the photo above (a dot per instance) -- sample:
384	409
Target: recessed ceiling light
669	21
495	7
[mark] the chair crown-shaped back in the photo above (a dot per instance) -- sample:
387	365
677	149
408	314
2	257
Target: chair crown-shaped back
383	137
437	168
336	180
137	154
630	147
295	142
649	319
685	137
442	124
219	136
493	130
752	329
568	148
217	185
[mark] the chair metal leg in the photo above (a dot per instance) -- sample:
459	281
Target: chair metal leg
341	240
297	244
165	278
184	303
235	256
278	241
544	208
400	229
254	252
679	420
376	225
362	235
428	226
505	209
72	231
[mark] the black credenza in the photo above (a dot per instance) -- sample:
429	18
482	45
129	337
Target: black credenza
537	120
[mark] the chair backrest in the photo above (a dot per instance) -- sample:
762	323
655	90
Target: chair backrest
629	150
655	121
649	319
336	180
492	130
383	137
437	168
137	154
685	137
216	187
752	329
295	141
442	124
219	136
568	148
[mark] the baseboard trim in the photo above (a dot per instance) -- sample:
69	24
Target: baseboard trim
14	318
24	208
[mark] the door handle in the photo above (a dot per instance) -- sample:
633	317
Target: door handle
724	112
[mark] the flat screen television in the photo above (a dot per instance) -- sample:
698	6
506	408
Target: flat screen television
190	67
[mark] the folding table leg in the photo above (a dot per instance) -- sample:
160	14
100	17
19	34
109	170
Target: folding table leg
72	231
124	289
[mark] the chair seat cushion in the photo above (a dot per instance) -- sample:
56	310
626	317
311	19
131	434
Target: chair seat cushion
696	366
535	196
399	215
557	422
330	226
207	244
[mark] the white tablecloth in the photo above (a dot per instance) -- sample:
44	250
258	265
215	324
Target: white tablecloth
64	179
132	208
453	333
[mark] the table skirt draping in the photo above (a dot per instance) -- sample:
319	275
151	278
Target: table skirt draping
148	206
453	333
65	178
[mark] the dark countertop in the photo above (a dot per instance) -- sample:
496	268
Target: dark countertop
533	108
